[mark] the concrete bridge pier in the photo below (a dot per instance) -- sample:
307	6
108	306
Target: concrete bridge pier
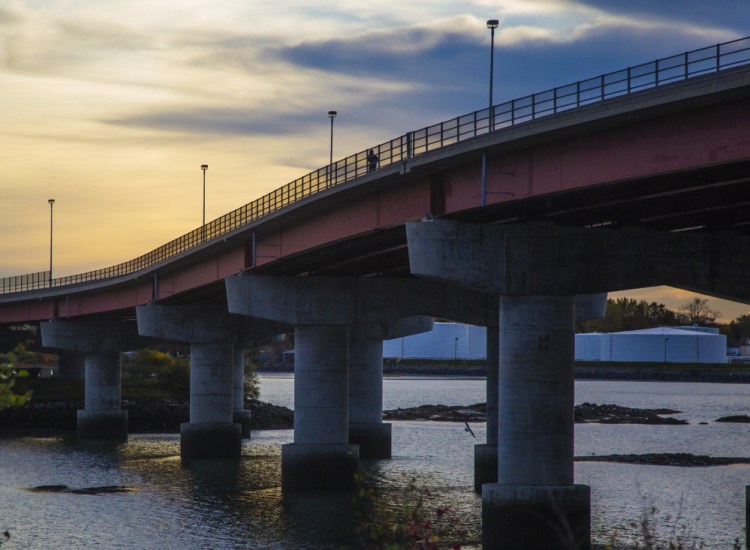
102	417
587	306
485	454
535	504
240	415
101	341
210	330
211	431
366	426
321	456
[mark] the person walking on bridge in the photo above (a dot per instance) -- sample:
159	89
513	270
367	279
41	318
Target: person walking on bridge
372	161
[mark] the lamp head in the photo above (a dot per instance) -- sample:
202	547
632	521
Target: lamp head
51	201
493	24
204	167
332	114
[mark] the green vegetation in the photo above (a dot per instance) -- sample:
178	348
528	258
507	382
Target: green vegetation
9	396
625	314
652	536
152	375
418	523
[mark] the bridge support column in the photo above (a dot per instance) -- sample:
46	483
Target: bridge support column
101	341
535	504
211	332
366	426
485	455
320	457
102	417
210	432
240	415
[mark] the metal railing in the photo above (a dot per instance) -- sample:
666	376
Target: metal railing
656	73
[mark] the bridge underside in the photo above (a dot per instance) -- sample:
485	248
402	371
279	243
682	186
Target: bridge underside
706	200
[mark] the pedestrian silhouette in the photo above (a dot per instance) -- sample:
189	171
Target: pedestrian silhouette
372	161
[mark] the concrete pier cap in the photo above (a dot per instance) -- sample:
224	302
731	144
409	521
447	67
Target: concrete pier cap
101	340
535	503
217	339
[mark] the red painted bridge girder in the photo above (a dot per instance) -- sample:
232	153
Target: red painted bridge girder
609	145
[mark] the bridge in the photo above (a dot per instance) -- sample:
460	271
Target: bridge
519	218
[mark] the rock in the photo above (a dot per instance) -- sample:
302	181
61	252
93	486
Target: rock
461	413
667	459
616	414
734	418
148	417
587	412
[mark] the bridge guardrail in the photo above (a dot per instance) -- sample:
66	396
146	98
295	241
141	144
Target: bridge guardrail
711	59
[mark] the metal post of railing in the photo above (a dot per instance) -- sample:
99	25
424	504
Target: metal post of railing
685	73
629	80
718	57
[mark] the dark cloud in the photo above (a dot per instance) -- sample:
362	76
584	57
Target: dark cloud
731	14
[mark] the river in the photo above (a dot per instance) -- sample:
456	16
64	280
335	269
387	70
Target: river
167	504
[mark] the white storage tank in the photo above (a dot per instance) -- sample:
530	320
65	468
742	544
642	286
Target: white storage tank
445	341
655	345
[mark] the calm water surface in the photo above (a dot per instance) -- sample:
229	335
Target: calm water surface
225	504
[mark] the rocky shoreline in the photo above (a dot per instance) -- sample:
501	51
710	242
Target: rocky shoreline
166	416
148	417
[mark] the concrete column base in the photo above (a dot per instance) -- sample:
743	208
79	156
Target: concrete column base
316	467
373	438
485	465
536	517
210	440
102	424
243	419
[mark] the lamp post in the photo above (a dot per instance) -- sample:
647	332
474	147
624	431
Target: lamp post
492	24
331	115
204	167
51	204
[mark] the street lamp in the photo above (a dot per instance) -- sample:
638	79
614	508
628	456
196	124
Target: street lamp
204	167
331	115
492	24
51	204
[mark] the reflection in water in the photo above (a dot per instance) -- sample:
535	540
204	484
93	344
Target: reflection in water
239	504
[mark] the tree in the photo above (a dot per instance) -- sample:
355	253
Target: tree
628	314
697	312
8	375
737	331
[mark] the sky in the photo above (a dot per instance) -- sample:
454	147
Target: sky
110	107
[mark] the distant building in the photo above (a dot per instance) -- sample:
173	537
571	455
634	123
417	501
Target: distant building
663	344
655	345
445	341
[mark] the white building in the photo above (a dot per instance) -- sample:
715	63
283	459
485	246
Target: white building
656	345
670	344
445	341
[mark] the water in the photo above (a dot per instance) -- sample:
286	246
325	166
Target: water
225	504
